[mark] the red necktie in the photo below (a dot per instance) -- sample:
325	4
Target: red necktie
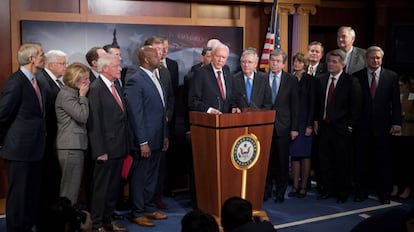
373	84
220	84
330	91
117	99
329	98
37	90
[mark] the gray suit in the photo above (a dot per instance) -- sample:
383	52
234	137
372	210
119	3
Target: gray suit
357	61
72	113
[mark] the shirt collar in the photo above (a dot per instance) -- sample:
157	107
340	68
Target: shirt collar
107	82
27	73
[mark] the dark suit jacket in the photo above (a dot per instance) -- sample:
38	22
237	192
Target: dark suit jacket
165	79
22	122
357	60
345	107
147	114
196	66
50	87
307	99
92	76
204	91
321	69
380	113
261	96
287	105
107	123
172	66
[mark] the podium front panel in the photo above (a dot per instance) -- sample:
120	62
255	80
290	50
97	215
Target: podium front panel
216	178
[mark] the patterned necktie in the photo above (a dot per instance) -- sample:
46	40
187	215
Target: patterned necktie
59	82
248	88
310	70
274	88
117	99
37	90
373	84
220	84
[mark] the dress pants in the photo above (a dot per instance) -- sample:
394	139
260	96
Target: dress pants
22	205
71	162
144	177
335	150
106	182
279	163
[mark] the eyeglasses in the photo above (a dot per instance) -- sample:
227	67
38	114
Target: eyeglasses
61	63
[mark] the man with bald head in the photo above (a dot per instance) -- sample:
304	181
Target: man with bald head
355	56
146	104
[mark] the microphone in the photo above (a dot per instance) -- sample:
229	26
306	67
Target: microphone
251	105
219	102
244	98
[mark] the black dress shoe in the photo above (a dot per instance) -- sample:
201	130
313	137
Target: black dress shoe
301	193
279	199
360	197
324	196
293	193
341	199
384	199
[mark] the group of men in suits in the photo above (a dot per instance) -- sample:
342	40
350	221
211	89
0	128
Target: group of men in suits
356	124
346	112
362	105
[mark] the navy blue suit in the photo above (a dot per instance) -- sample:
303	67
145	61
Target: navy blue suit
23	140
147	117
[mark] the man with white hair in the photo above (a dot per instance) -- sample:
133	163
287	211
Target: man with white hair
50	79
211	88
355	56
213	43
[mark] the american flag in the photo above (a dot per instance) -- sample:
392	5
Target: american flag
272	38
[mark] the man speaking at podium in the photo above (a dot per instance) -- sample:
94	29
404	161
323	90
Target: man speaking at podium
211	86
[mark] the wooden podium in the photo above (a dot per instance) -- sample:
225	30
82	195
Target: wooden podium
213	139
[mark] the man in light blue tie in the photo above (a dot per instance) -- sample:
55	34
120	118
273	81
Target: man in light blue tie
286	103
251	87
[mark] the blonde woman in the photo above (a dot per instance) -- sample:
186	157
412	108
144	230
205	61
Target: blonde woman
72	111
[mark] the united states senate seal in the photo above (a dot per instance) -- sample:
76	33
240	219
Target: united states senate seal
245	151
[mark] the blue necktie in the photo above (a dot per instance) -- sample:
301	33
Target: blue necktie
248	88
274	88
